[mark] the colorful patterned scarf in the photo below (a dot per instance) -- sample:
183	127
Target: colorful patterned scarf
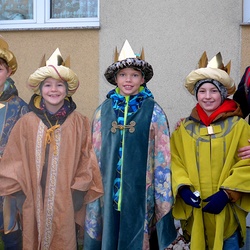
124	106
61	113
37	105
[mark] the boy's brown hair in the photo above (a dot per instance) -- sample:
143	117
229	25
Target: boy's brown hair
4	63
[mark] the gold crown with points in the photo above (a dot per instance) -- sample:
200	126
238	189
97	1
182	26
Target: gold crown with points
55	59
215	62
127	52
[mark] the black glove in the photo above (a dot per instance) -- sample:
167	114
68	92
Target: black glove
188	197
216	202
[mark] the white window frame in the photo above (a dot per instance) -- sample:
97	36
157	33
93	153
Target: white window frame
246	11
41	20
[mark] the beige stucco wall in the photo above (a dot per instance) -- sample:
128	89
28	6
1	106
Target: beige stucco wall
81	45
245	48
174	35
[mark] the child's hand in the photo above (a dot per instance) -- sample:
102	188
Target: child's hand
177	125
244	152
216	202
189	197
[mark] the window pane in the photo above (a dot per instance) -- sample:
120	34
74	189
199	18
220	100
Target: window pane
73	8
246	11
16	9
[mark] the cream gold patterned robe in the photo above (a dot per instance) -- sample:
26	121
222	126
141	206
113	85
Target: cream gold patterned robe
71	166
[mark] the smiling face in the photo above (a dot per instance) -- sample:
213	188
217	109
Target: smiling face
129	81
53	92
209	98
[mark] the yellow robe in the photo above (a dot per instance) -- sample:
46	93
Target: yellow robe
72	165
207	162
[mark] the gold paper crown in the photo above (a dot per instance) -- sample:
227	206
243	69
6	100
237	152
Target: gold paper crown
215	62
56	60
127	52
7	55
3	43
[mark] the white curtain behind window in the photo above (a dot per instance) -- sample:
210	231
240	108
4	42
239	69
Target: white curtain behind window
16	9
73	9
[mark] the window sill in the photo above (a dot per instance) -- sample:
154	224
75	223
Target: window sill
245	24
